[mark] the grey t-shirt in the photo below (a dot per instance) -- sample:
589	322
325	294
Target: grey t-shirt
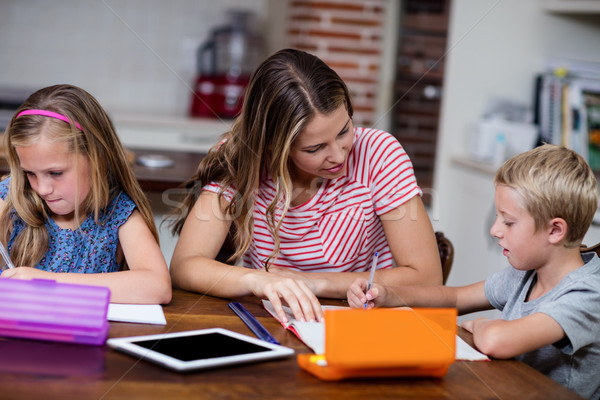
574	303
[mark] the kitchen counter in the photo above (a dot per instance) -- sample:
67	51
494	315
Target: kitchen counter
183	141
169	133
155	179
159	179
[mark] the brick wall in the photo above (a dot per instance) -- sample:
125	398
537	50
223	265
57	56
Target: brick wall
348	36
419	83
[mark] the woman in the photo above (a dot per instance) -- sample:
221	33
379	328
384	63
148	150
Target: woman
310	198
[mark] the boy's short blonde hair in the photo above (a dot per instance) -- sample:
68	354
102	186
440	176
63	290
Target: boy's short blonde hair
554	182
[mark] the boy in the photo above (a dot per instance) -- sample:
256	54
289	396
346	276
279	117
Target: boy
550	299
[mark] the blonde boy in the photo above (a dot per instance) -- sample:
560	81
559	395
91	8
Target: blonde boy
550	299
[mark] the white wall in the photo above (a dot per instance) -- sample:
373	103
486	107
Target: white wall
134	55
495	50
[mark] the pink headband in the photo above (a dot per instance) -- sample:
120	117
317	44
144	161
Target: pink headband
49	114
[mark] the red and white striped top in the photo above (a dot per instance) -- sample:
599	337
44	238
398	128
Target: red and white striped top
338	230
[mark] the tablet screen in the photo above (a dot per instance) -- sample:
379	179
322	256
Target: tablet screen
205	348
210	345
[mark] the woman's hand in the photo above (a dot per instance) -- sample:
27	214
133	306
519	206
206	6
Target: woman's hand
286	290
306	277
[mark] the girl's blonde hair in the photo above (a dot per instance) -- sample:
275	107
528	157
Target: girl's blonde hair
109	168
554	182
284	94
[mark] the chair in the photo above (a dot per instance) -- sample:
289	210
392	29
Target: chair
595	248
447	254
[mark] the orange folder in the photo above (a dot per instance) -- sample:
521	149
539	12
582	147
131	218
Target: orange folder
385	342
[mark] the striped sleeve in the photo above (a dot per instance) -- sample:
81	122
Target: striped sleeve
215	187
390	172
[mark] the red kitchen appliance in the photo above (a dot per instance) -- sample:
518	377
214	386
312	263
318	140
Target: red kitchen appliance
224	65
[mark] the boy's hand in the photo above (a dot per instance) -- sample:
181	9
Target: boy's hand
357	296
467	325
471	324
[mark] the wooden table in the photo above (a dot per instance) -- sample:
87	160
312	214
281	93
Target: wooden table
39	370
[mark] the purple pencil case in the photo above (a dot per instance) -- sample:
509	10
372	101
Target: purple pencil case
44	309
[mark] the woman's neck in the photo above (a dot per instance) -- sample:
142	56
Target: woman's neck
302	192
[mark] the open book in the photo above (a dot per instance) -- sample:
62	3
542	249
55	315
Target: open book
312	334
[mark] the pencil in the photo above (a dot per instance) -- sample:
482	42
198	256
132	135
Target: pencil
5	256
372	276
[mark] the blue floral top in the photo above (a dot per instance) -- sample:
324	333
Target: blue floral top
91	248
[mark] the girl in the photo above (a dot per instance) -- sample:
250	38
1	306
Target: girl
310	198
72	204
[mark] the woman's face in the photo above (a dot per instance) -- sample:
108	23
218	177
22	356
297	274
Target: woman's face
321	149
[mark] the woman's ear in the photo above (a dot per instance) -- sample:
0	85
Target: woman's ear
557	230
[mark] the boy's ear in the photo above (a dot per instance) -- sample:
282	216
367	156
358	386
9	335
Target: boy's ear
557	230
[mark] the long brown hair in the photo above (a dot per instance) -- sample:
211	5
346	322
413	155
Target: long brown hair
109	168
284	94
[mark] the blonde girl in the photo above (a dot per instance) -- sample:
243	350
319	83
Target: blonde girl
72	203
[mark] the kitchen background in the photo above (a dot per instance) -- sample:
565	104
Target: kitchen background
139	58
425	79
134	56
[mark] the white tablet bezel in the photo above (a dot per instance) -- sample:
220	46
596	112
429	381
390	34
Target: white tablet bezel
128	345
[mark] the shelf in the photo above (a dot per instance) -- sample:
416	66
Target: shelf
573	6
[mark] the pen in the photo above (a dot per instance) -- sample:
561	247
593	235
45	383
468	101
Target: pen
5	256
373	268
252	323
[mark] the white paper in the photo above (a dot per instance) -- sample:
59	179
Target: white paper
137	313
467	353
311	334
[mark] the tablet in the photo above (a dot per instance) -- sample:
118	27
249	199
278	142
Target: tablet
199	349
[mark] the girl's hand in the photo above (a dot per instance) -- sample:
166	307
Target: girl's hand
26	273
280	290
